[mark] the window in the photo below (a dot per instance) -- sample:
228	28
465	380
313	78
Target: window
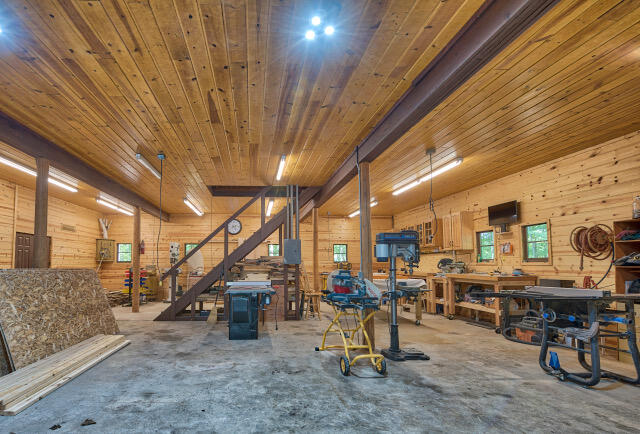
124	252
486	246
273	249
339	253
189	246
536	243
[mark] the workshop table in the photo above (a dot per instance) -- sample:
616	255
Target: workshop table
497	282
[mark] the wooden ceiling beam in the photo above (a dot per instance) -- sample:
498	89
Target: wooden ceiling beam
20	137
488	32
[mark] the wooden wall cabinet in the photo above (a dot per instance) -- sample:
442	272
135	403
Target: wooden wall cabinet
457	231
432	227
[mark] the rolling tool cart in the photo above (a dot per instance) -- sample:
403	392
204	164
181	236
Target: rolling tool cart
350	297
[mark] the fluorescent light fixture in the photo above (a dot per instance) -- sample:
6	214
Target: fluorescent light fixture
113	203
316	20
427	177
32	172
18	166
371	205
63	185
281	167
192	206
269	208
329	30
113	206
310	35
148	165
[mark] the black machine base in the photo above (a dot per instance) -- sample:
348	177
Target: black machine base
406	354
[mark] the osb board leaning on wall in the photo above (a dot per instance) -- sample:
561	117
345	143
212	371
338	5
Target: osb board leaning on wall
43	311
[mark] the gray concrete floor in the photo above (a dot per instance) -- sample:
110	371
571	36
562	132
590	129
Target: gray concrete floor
187	377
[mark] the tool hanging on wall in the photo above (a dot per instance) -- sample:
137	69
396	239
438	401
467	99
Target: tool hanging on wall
595	242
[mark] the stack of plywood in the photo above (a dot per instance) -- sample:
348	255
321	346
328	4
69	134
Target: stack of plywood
28	385
44	311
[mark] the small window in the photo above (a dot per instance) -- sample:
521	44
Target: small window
486	246
339	253
273	249
189	246
536	243
124	252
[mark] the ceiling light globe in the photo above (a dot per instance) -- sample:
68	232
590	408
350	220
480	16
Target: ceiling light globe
310	35
316	20
329	30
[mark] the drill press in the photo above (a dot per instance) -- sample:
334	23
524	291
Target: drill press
389	246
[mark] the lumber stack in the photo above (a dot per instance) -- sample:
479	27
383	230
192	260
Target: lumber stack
117	298
256	269
28	385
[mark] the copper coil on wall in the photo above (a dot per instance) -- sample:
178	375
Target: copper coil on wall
595	242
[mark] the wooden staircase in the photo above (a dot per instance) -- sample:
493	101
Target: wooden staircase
217	273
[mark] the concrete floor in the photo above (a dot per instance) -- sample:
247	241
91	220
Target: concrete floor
186	377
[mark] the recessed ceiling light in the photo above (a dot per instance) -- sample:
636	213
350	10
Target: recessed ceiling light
316	20
269	208
329	30
310	35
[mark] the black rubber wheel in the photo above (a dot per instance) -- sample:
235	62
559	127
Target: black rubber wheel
417	322
344	366
498	330
317	348
381	367
450	317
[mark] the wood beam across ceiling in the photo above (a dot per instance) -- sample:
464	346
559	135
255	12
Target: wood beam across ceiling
20	137
496	24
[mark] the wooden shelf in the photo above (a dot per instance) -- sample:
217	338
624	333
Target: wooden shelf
627	267
627	241
475	306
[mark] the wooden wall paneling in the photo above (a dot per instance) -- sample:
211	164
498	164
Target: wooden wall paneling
596	185
69	249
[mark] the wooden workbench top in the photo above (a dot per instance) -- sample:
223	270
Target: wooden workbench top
491	278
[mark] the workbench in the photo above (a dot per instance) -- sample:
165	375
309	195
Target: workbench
497	282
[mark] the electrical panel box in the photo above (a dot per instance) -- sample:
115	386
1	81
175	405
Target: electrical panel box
174	252
291	252
105	250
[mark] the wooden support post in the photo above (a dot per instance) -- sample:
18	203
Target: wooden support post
15	226
135	262
280	239
366	250
316	253
40	241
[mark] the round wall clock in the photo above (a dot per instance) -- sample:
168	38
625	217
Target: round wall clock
234	227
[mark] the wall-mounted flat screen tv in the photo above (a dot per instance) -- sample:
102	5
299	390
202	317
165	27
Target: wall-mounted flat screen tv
503	214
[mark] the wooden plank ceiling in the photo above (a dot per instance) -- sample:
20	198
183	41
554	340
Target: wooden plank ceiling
222	87
567	83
